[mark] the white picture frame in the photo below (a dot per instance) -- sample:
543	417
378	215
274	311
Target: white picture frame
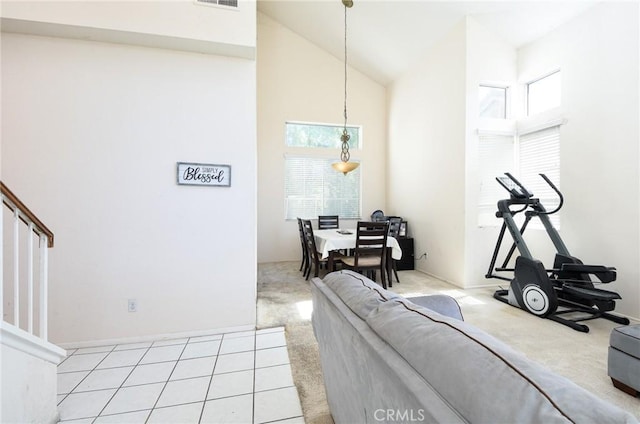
203	174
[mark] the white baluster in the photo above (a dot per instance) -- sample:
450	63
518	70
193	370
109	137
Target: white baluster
1	259
30	279
44	285
16	268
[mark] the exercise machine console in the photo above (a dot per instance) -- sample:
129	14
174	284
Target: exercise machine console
565	293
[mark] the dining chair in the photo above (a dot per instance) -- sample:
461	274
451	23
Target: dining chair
314	257
370	252
394	231
327	222
330	222
304	263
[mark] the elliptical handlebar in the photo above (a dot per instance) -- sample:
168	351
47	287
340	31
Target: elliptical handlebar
514	187
560	196
519	194
522	194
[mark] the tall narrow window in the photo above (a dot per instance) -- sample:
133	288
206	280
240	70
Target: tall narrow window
540	154
312	186
496	158
543	94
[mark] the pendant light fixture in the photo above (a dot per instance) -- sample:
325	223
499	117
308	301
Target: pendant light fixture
344	165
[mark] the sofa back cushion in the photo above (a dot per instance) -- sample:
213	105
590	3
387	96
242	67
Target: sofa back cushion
358	292
482	378
364	377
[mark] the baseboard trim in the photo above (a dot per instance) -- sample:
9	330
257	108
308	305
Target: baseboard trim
478	286
430	274
155	337
16	338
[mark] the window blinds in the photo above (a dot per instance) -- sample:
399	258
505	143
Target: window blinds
536	152
540	154
496	156
313	187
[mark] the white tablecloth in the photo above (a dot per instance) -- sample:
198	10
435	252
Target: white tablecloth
328	240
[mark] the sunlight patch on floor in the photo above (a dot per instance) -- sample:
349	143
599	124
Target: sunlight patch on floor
305	308
416	294
462	297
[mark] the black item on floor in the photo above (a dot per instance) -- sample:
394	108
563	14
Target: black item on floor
408	257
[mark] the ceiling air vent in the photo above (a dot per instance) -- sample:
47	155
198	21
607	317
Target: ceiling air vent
228	3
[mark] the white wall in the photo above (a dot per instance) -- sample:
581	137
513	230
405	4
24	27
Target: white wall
426	155
22	400
297	81
597	53
182	24
490	60
28	386
90	139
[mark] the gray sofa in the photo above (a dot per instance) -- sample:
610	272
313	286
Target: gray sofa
387	359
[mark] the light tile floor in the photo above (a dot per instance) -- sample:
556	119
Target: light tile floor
240	377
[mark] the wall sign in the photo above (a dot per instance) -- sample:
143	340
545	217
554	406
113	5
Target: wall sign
204	174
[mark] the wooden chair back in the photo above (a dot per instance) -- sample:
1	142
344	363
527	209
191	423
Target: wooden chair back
394	226
371	241
310	243
304	263
394	231
327	222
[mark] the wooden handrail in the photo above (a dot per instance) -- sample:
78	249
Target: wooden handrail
14	201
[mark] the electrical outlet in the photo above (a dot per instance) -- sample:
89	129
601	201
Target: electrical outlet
132	305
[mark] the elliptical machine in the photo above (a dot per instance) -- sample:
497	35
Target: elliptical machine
567	288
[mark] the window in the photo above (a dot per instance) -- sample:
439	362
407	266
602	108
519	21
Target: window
320	135
543	94
536	152
312	186
526	147
540	154
496	158
493	102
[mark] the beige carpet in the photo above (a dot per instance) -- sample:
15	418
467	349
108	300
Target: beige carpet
284	299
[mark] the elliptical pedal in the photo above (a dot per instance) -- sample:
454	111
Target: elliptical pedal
590	293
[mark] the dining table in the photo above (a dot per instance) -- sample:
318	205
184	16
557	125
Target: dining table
330	241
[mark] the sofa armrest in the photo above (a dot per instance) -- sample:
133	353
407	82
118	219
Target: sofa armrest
440	303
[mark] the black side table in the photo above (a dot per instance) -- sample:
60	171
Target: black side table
408	257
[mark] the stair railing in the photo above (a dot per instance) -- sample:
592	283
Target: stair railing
23	216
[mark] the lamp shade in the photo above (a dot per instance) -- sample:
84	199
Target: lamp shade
345	167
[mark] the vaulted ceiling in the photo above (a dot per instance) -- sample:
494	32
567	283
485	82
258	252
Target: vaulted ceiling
385	37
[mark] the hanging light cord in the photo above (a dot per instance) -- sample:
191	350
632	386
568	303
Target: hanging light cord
345	156
344	165
345	67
